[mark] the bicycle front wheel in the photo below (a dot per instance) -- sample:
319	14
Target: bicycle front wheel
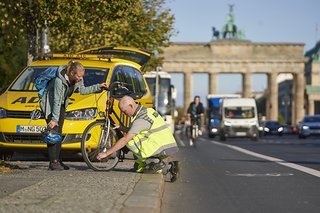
96	138
194	132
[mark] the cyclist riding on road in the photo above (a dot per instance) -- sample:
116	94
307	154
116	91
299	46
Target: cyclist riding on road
195	112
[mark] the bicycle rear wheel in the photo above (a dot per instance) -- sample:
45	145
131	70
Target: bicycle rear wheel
96	138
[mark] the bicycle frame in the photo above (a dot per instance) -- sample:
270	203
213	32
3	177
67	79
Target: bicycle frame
100	136
195	131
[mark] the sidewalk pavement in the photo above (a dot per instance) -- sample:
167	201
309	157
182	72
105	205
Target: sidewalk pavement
30	187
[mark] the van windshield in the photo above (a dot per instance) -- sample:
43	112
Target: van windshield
164	95
239	112
25	82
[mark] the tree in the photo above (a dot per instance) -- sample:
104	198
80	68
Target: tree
12	60
81	24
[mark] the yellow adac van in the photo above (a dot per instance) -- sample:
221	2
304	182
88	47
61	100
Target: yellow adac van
18	132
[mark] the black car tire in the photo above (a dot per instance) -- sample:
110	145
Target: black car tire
211	136
222	136
6	156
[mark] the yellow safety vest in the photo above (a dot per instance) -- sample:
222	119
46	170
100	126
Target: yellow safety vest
153	141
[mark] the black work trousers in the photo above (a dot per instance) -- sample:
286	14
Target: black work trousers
54	150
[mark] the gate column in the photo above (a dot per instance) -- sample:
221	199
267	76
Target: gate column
311	106
187	89
246	85
299	107
272	107
213	83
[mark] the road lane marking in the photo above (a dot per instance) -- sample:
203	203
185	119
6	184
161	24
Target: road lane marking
260	175
272	159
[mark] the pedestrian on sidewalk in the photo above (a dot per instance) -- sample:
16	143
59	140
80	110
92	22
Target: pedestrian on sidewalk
149	138
55	101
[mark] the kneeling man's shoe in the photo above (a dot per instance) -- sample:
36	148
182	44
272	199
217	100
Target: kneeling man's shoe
154	168
174	170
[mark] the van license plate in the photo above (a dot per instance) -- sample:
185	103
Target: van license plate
30	129
241	134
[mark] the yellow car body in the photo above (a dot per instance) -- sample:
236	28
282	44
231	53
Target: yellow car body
18	132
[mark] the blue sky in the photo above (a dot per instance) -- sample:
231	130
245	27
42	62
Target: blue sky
296	21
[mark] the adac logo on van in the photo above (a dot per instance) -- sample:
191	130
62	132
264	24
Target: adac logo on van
23	100
33	100
35	114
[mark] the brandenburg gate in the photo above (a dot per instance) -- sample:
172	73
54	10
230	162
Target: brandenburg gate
246	58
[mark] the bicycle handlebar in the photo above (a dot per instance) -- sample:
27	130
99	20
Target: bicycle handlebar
195	116
118	84
118	90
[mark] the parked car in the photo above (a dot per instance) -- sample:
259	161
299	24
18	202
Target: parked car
310	125
19	133
273	128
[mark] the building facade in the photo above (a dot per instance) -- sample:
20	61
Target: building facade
312	75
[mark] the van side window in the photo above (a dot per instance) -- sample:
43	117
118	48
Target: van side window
117	75
140	83
129	78
124	74
136	80
132	77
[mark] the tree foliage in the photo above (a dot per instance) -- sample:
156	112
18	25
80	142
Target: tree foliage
76	25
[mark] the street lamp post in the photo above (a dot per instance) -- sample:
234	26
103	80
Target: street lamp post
45	39
158	69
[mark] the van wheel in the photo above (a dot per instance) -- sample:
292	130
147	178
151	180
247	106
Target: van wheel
222	137
255	138
211	135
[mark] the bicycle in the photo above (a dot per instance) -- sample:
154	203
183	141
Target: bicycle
100	135
194	129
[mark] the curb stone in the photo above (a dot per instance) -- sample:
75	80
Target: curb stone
146	195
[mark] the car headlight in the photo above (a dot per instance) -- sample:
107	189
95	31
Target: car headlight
82	114
266	129
3	113
227	123
305	127
280	129
214	130
253	123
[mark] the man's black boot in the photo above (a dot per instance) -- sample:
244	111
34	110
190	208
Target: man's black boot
65	167
55	165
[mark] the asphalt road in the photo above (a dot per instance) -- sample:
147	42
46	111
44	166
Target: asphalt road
276	174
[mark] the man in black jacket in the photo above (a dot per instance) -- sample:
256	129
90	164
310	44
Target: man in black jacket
196	112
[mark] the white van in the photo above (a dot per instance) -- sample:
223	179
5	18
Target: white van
239	118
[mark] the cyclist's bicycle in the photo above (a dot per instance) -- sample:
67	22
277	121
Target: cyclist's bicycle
194	129
100	135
